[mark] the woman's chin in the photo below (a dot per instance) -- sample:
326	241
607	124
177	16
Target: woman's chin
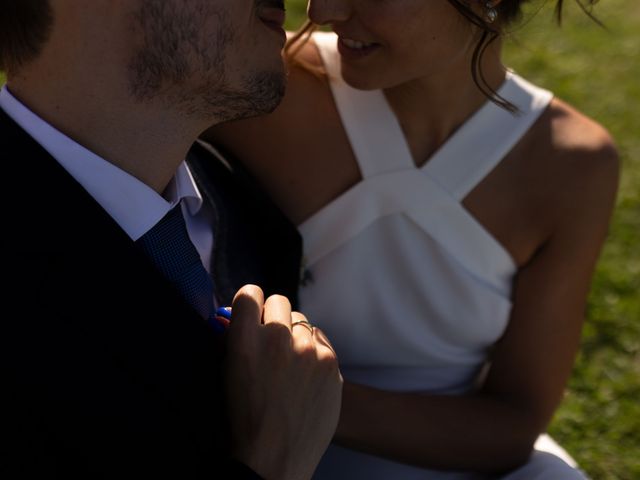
360	80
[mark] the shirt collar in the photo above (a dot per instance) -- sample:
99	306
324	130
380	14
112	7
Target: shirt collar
183	187
131	203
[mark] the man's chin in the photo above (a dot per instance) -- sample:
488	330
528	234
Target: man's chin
272	95
268	91
261	94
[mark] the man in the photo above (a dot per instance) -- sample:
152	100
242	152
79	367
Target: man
111	363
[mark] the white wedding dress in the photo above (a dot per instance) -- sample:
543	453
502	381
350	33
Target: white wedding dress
408	285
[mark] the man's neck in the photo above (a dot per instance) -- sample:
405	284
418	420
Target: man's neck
143	139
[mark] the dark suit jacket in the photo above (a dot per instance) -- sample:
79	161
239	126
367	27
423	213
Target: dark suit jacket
254	242
105	372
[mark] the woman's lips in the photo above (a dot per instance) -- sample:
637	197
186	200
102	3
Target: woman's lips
355	50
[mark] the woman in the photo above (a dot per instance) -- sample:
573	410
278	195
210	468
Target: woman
452	215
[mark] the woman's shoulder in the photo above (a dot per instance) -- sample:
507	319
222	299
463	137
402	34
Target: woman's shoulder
576	136
308	83
578	148
308	54
306	101
578	162
565	143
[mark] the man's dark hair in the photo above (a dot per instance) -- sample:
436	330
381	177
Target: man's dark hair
24	29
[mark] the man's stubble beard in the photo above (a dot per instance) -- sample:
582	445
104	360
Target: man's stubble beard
187	70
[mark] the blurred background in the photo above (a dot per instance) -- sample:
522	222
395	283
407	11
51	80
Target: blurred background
598	71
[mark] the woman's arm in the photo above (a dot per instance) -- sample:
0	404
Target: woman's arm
494	430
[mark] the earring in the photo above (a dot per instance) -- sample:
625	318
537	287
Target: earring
490	14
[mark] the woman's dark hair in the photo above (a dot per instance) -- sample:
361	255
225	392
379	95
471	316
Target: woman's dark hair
24	29
508	11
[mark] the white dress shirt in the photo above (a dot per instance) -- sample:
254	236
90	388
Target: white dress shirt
134	206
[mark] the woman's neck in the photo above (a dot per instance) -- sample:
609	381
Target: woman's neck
430	109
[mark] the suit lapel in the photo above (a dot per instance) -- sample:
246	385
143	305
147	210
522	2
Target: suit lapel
253	241
116	335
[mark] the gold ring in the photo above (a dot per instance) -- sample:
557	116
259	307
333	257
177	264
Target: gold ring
305	324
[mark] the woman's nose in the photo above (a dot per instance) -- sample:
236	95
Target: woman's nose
323	12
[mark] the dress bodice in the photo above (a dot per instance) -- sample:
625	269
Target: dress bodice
411	289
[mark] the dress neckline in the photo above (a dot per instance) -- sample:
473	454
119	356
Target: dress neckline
431	195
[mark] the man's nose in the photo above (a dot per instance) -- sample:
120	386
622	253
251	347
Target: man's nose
324	12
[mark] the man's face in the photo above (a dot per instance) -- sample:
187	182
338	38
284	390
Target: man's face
215	59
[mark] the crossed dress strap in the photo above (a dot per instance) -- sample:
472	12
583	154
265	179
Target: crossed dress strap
479	145
374	141
431	196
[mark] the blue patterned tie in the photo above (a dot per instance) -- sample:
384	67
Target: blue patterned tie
168	245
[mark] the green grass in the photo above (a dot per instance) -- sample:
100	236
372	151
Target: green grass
598	71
